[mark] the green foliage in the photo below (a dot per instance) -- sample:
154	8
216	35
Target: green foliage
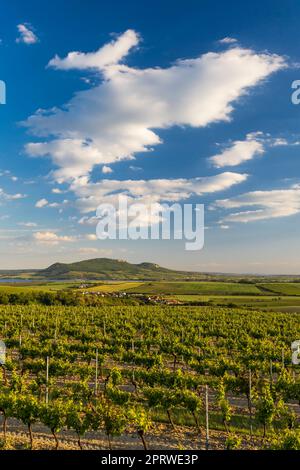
265	407
233	442
54	415
288	440
153	364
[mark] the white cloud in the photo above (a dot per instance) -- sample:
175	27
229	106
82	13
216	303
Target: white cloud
119	117
85	220
135	168
109	54
8	174
87	250
45	203
51	238
27	36
254	144
91	237
10	197
99	252
27	224
149	191
227	40
74	157
278	142
57	191
266	205
238	152
106	169
41	203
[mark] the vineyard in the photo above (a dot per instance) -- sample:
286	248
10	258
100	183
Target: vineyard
149	377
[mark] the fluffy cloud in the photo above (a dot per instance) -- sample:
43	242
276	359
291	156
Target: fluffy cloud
227	40
96	251
149	191
239	152
41	203
85	220
91	237
109	54
27	36
45	203
57	191
10	197
27	224
118	118
254	144
106	169
51	238
261	205
74	157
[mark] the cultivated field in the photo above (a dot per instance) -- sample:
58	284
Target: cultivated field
132	377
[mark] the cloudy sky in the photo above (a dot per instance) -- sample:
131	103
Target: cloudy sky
162	101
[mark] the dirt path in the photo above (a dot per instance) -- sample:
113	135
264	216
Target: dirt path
160	437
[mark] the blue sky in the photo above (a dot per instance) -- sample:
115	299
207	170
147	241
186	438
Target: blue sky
169	101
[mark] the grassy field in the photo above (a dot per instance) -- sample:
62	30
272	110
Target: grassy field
113	287
282	288
27	287
176	288
275	296
194	288
262	302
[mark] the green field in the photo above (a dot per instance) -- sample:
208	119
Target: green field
191	288
113	287
275	296
265	302
39	286
282	288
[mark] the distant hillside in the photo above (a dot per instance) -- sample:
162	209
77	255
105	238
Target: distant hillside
105	268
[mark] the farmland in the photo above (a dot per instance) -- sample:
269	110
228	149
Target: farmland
257	294
282	288
135	377
213	288
274	296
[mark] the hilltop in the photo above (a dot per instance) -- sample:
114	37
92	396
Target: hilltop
105	268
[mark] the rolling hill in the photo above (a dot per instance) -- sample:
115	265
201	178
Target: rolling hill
105	268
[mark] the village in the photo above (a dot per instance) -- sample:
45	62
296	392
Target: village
145	299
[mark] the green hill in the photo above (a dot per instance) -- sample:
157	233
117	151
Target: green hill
105	268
